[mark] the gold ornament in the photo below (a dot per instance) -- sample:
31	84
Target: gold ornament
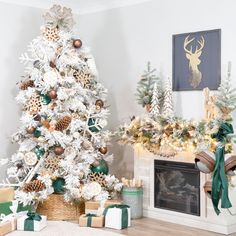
26	84
51	33
103	150
30	130
77	43
58	150
98	177
83	75
51	163
63	123
34	186
33	105
52	94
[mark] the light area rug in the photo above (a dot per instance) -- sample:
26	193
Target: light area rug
63	228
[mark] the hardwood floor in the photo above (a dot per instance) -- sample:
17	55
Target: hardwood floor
151	227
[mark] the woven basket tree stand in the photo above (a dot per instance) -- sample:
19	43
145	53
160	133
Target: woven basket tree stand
55	208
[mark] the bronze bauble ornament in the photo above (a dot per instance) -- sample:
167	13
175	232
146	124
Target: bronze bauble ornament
77	43
58	150
103	150
30	130
52	94
99	104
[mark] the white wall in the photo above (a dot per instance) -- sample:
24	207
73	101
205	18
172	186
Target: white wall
122	41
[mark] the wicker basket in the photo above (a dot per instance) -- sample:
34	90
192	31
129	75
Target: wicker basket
55	208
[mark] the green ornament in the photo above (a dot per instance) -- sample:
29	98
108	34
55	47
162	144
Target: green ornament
37	133
58	185
102	167
45	99
93	125
39	151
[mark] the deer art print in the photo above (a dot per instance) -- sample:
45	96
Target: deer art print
193	58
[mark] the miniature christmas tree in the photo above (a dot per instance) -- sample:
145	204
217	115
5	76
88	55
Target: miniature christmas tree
167	109
155	103
62	144
226	96
145	86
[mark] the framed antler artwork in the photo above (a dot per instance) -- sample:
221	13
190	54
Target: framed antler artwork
197	60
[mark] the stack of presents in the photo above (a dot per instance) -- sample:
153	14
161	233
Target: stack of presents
15	216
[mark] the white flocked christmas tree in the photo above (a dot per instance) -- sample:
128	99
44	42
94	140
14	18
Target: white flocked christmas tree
62	144
167	109
155	102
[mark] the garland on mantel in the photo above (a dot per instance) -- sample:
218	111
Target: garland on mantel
168	135
162	133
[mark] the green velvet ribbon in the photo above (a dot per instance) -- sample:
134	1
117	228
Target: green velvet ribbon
29	222
219	180
124	214
90	218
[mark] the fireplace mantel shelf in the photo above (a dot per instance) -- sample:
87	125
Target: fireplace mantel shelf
225	223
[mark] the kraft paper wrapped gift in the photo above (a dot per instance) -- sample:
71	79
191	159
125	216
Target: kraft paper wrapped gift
31	222
7	194
117	217
91	220
91	207
7	226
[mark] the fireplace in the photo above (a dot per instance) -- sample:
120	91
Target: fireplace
177	187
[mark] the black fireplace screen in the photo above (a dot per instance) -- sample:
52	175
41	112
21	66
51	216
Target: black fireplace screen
177	187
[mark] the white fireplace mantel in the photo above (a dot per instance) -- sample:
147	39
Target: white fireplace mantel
225	223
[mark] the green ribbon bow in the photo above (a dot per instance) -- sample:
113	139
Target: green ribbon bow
89	221
29	222
124	214
220	181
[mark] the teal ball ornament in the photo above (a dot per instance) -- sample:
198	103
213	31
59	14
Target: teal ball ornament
45	99
39	151
101	167
37	133
58	185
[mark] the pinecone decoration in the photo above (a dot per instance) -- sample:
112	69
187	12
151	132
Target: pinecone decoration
51	33
83	75
51	163
98	177
34	186
63	123
26	84
33	105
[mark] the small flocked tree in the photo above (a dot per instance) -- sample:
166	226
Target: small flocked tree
167	109
62	144
145	86
226	96
155	102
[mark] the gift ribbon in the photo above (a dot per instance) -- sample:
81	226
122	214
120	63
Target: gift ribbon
89	220
219	180
29	222
124	214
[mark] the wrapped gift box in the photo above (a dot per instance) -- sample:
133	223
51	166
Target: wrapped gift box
6	208
7	194
31	222
117	217
91	207
7	227
91	220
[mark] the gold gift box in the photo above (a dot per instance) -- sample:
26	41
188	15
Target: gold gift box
97	221
94	205
7	227
7	194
